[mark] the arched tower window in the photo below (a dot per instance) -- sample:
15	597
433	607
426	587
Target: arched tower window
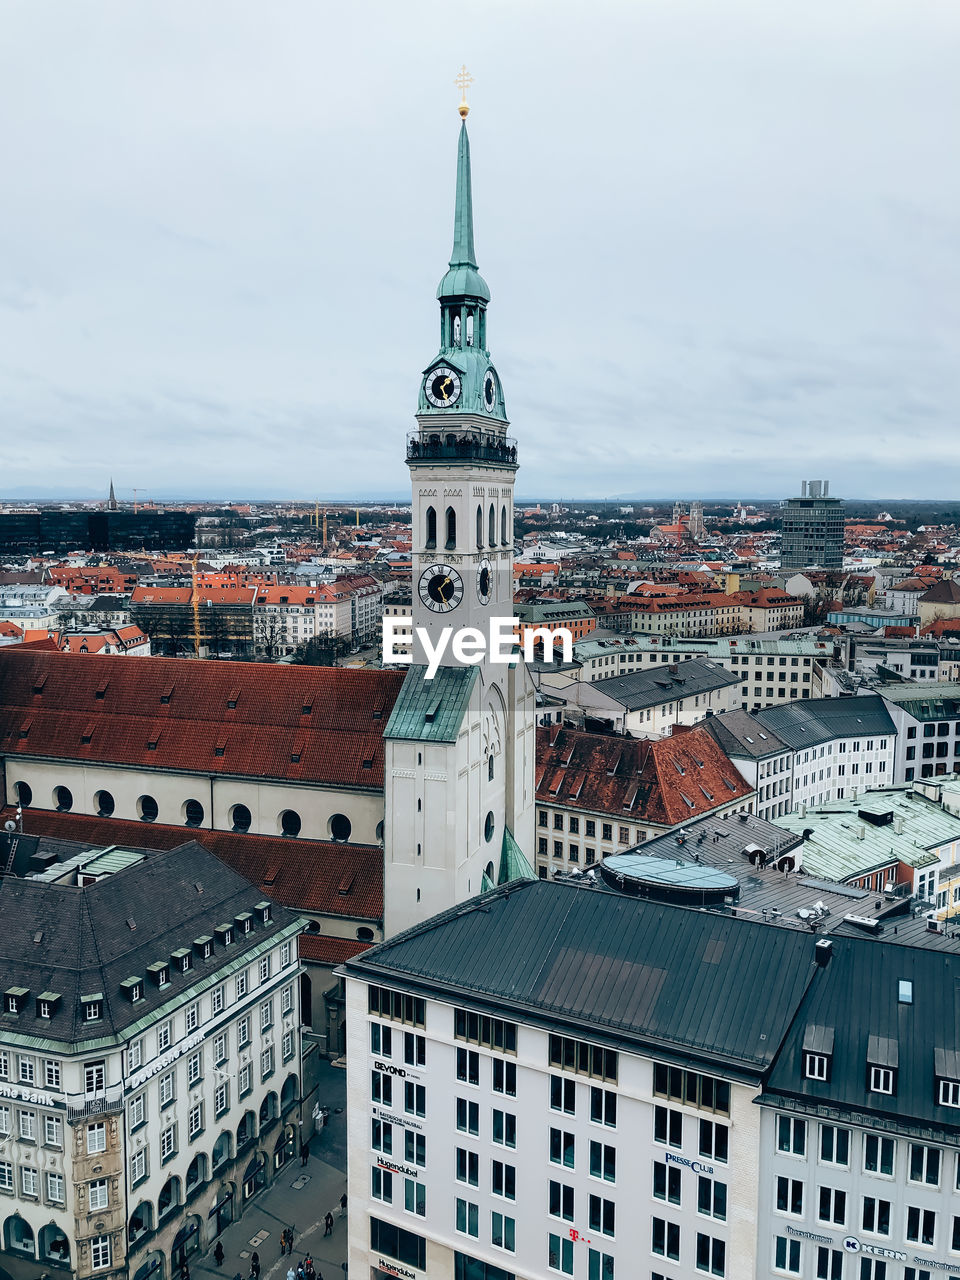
492	523
503	524
431	540
469	328
451	542
456	330
479	527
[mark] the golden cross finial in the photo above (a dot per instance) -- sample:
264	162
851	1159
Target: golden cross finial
464	78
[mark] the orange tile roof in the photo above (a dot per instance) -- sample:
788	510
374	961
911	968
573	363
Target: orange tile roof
184	707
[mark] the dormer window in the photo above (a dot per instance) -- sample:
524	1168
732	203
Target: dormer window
92	1007
203	946
883	1059
881	1080
224	934
946	1069
817	1052
263	910
159	971
15	999
132	988
244	922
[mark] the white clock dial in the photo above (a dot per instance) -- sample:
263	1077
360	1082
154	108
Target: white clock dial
442	387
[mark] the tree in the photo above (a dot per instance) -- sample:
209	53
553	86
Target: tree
322	651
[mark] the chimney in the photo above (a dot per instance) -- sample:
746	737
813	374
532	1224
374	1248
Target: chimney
822	952
898	824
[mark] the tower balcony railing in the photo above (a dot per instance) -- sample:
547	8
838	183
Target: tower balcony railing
461	447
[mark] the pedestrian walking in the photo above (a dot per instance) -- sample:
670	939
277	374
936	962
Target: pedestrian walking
291	1274
328	1224
343	1205
218	1253
304	1152
254	1266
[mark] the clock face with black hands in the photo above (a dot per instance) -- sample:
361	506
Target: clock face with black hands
443	387
440	588
484	581
490	389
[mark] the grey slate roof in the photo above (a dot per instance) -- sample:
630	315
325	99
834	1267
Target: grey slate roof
740	734
807	724
632	971
649	688
836	1000
76	941
927	700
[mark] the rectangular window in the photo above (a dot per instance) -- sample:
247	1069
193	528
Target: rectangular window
244	1079
167	1089
603	1106
786	1255
51	1073
829	1264
714	1140
881	1080
668	1126
665	1239
100	1253
221	1098
467	1166
875	1216
468	1116
241	984
286	1000
266	1015
414	1098
415	1148
194	1068
134	1054
55	1188
163	1037
563	1095
266	1062
878	1155
712	1198
503	1232
504	1129
921	1225
97	1197
561	1201
504	1180
603	1161
195	1121
263	969
288	1045
924	1164
284	954
790	1196
168	1142
585	1059
834	1145
415	1197
6	1175
96	1138
599	1265
691	1088
193	1017
602	1215
711	1255
468	1066
395	1005
562	1148
560	1255
52	1131
832	1206
792	1135
29	1181
381	1184
414	1049
492	1033
505	1077
28	1071
216	1000
666	1182
381	1136
468	1218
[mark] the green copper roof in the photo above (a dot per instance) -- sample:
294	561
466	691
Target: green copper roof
463	279
431	710
513	863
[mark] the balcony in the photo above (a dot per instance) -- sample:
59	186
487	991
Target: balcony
85	1106
470	447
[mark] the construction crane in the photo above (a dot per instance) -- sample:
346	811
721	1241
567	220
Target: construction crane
324	528
195	601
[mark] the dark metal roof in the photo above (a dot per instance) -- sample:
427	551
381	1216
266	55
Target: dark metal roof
857	996
807	724
642	972
666	684
741	734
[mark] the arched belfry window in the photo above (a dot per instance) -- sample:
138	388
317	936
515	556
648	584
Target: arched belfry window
479	527
431	531
451	543
492	522
469	328
503	525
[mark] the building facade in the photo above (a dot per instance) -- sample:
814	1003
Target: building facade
149	1087
812	529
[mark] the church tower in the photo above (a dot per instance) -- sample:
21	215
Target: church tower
460	747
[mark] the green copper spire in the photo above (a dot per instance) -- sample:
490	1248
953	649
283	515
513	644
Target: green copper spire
463	280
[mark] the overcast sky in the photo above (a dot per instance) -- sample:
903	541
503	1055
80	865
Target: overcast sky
721	238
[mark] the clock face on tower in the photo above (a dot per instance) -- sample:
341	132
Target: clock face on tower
490	389
484	581
440	588
443	387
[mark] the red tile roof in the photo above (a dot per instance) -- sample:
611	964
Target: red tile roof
323	949
664	781
226	718
317	877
